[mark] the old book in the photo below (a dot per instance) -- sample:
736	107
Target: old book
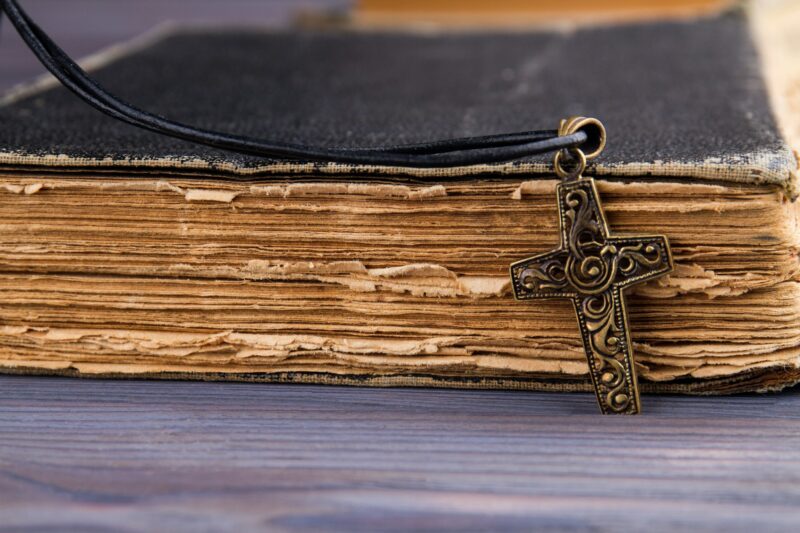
124	253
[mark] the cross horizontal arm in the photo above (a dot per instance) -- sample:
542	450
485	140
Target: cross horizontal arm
542	276
641	258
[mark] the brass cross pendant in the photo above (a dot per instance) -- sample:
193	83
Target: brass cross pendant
593	268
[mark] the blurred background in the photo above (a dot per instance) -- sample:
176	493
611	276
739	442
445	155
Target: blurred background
85	26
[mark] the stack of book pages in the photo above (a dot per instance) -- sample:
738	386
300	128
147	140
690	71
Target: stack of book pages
123	253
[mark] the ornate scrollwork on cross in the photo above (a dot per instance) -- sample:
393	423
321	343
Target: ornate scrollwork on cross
592	268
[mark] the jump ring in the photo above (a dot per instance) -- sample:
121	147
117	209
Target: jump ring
573	171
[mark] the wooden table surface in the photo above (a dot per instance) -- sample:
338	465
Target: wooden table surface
91	455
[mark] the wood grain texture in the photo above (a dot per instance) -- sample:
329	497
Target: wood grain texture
91	455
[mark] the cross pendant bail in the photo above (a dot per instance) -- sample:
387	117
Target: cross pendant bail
592	268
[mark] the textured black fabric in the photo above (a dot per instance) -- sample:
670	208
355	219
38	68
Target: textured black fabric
680	92
451	152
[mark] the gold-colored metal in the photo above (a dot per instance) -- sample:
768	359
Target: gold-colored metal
592	268
573	172
597	131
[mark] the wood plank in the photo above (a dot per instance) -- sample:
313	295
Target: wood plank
517	6
517	13
95	455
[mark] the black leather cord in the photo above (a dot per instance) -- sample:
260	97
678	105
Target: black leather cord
445	153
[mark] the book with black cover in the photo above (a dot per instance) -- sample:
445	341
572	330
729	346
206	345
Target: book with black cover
125	253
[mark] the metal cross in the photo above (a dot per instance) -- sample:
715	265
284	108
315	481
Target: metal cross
593	268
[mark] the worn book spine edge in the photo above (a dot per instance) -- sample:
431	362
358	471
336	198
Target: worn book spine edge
757	380
780	168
